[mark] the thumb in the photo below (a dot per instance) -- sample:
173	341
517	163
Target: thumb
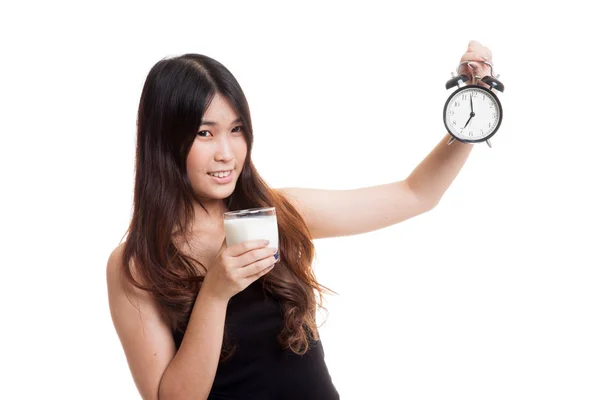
473	44
223	246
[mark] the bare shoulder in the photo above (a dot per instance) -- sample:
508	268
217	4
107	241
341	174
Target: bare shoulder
114	270
115	275
294	196
145	337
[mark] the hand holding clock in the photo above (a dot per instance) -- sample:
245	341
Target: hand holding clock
479	54
476	87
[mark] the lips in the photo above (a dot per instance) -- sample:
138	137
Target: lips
224	179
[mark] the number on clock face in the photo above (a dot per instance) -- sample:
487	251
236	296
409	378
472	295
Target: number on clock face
476	123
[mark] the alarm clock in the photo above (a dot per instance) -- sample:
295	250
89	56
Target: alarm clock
473	113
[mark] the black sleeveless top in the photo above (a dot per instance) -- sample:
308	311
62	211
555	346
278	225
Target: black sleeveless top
259	369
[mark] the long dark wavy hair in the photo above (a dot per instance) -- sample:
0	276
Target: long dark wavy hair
176	93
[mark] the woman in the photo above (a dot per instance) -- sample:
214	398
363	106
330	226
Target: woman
197	319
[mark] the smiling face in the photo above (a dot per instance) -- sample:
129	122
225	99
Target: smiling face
217	156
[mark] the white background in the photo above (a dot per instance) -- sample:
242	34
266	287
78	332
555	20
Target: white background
494	294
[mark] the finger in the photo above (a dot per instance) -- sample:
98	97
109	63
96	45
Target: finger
473	69
262	273
476	47
473	44
257	267
476	56
245	247
253	256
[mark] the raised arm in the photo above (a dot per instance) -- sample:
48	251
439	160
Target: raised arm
158	370
332	213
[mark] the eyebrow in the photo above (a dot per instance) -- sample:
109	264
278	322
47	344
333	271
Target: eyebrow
212	123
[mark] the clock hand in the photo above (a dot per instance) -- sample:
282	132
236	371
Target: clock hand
469	120
471	102
472	114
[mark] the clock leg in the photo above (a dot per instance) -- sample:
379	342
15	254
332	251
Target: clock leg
489	143
451	140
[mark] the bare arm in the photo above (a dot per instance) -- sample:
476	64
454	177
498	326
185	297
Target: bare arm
159	371
433	176
191	373
332	213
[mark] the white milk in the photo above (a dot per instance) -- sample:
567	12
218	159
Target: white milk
264	227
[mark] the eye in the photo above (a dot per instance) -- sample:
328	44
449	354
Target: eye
238	129
202	133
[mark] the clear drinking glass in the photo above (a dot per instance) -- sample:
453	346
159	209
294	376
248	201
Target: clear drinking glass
252	224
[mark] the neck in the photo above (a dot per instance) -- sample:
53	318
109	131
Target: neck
211	216
207	219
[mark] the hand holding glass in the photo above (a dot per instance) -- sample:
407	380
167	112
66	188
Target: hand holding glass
252	224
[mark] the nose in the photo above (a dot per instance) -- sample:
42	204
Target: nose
224	149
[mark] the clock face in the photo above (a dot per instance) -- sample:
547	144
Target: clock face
472	114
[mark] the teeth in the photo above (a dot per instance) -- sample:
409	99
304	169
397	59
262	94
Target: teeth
220	174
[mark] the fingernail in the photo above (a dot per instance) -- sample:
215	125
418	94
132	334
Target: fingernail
276	256
266	242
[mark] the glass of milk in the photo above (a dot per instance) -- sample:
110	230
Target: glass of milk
252	224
